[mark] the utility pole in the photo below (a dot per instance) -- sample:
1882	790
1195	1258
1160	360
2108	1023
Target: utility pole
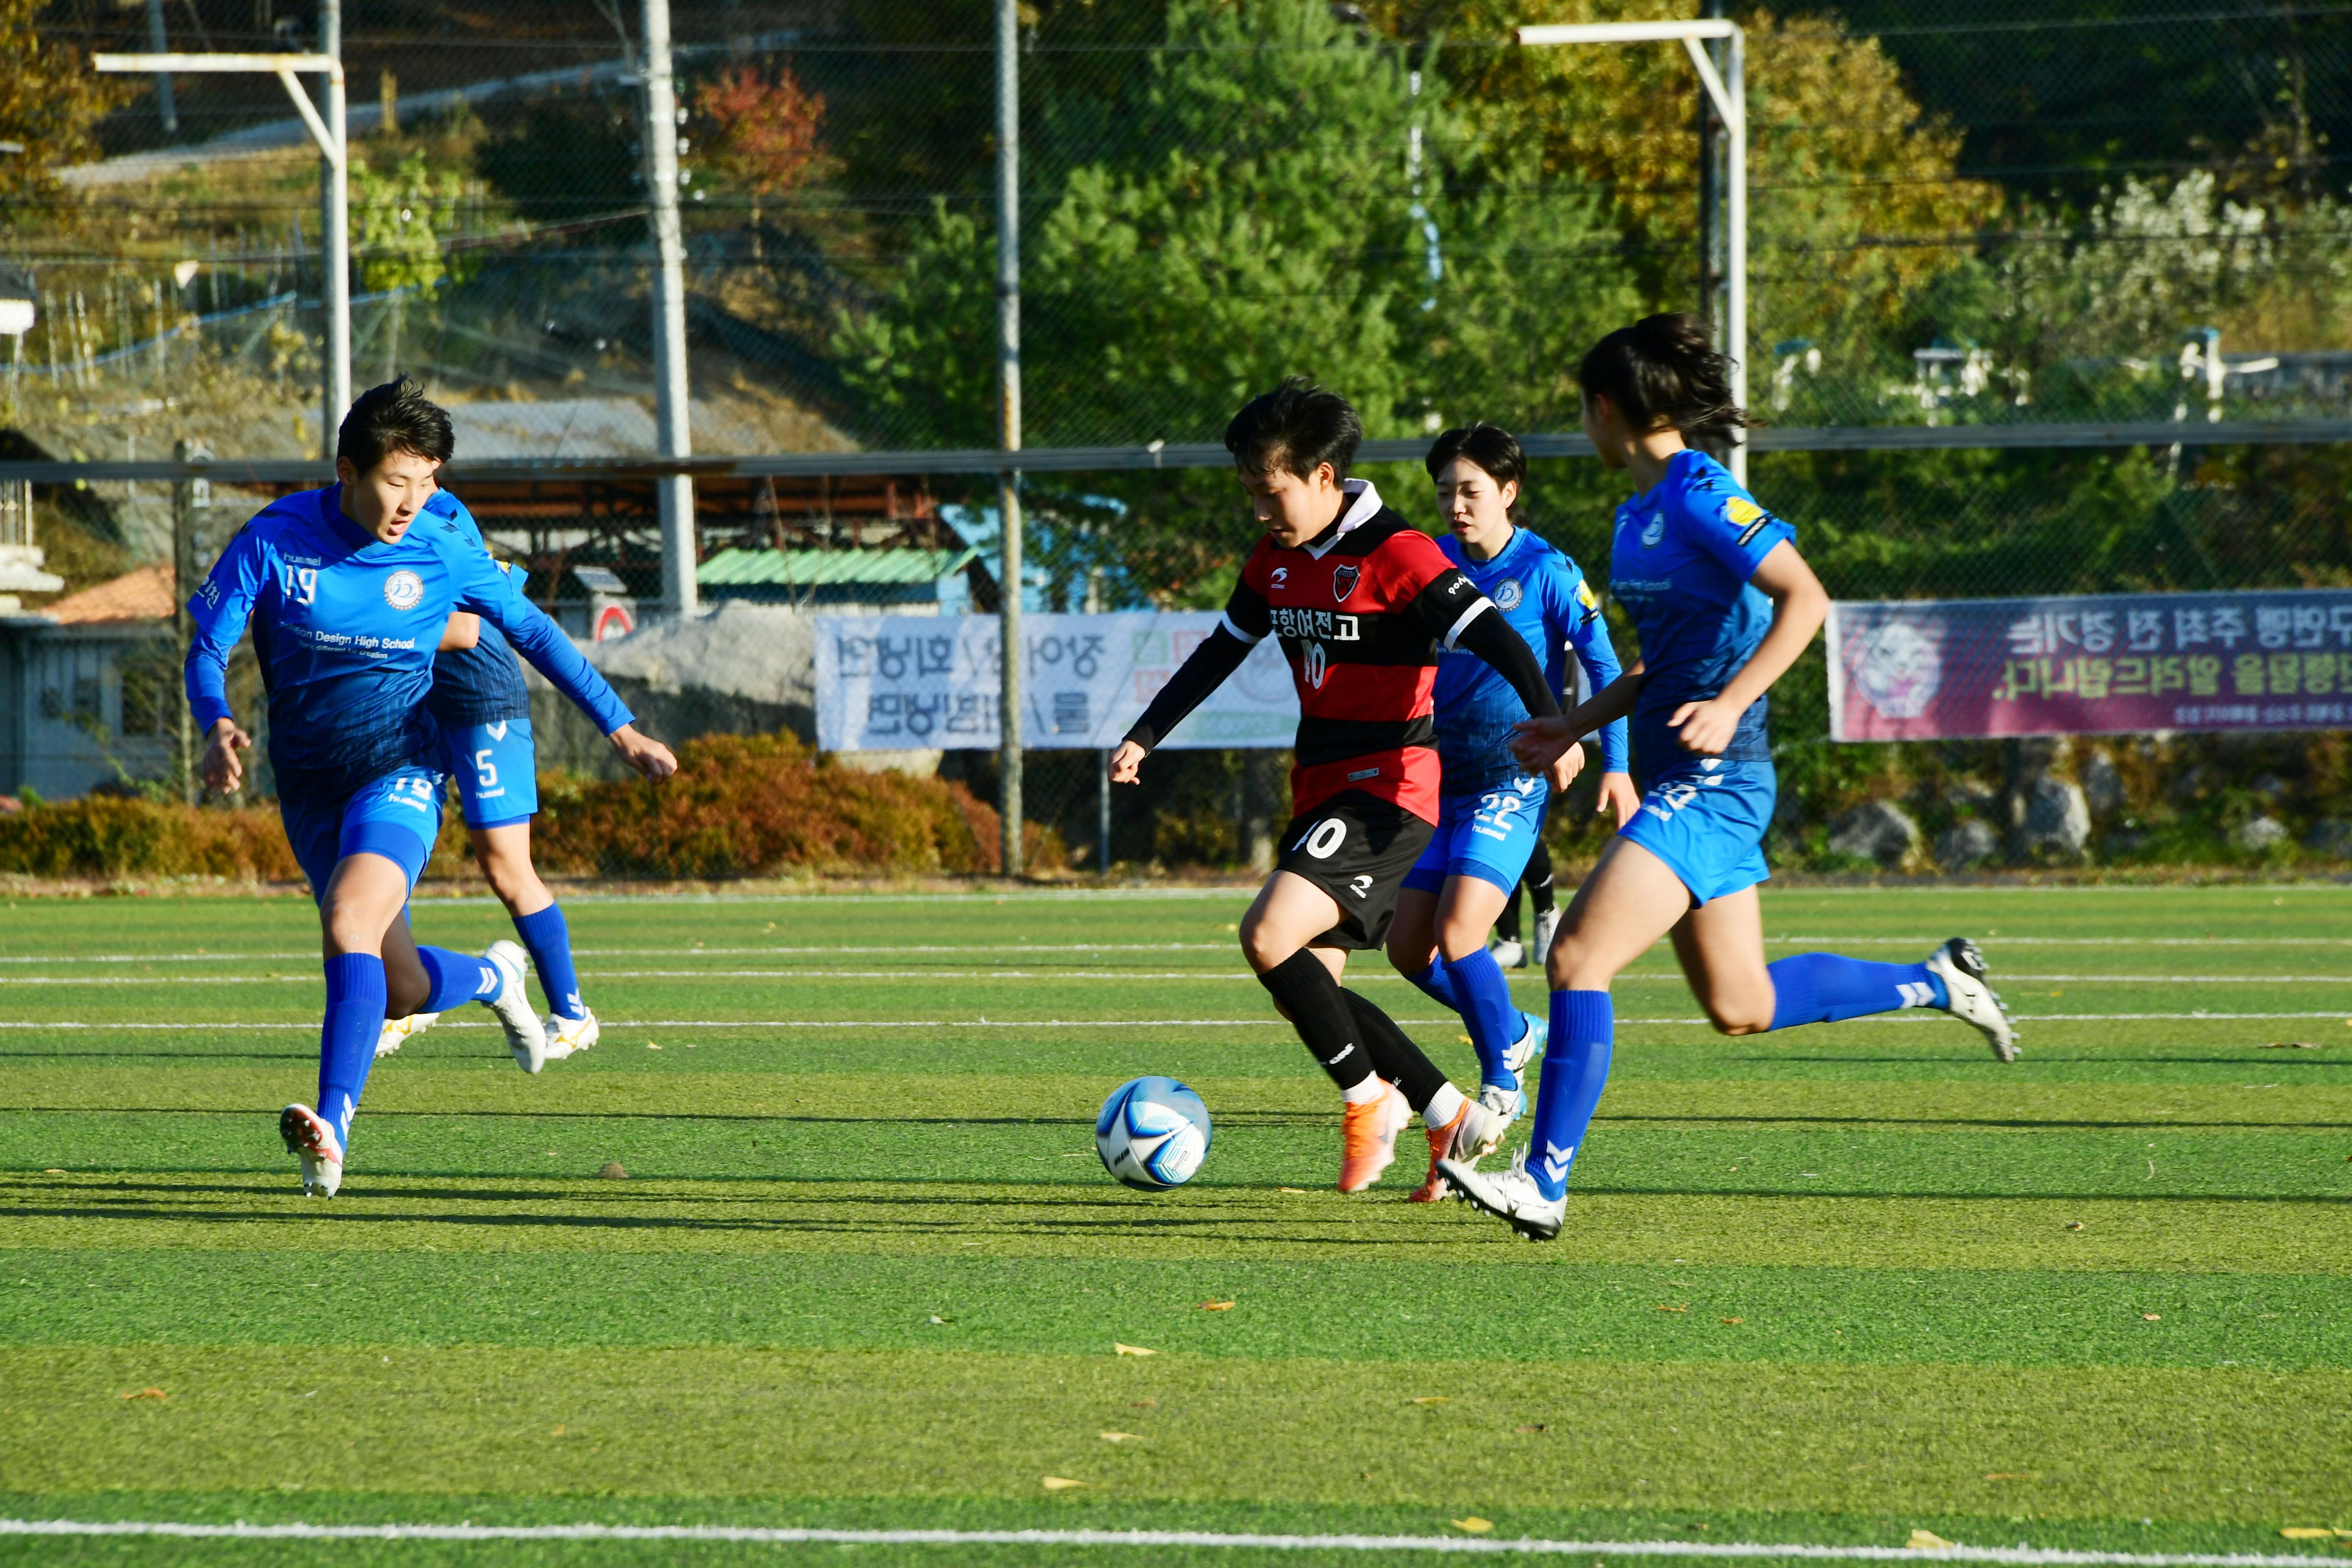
1008	481
184	583
673	429
335	227
160	41
1711	226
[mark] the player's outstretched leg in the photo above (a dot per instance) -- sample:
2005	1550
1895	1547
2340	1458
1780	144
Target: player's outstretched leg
504	851
496	980
398	1032
1825	988
1532	1195
355	1003
1456	1124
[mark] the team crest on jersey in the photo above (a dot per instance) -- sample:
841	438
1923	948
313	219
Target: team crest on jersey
1655	532
1508	595
404	590
1343	582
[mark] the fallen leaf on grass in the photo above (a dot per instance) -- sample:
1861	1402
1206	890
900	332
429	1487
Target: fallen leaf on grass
1290	1189
1465	1039
2292	1046
1664	1307
1927	1541
1143	1405
613	1172
557	1433
1475	1525
1735	1320
2011	1474
155	1394
1062	1483
651	1047
1537	1427
2308	1533
53	1171
1432	1399
1216	1306
2073	1225
945	1323
1121	1436
2151	1316
1130	1350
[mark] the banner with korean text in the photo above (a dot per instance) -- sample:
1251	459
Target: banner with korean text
2097	664
887	683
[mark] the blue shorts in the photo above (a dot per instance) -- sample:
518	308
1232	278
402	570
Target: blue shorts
1707	820
397	816
1488	836
497	771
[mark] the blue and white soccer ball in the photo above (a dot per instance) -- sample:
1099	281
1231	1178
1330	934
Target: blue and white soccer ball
1152	1134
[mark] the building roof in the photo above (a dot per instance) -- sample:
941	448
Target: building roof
146	594
821	568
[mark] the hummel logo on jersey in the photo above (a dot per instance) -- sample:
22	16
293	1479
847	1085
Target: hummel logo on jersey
1343	582
497	731
1556	1160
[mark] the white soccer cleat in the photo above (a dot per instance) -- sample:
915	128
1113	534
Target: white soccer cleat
1533	1039
570	1037
1510	1196
526	1037
1509	954
1547	927
306	1134
1503	1106
1961	968
398	1032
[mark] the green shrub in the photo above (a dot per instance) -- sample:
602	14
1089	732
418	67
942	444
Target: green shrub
108	836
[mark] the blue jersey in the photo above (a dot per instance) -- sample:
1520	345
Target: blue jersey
1544	597
479	685
345	627
1680	563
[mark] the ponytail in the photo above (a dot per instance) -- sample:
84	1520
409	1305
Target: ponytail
1662	372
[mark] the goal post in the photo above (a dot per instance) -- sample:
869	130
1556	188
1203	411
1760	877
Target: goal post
1727	89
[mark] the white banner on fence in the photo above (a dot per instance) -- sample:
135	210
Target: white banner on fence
887	683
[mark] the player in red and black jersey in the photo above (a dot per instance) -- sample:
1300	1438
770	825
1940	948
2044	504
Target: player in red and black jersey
1360	602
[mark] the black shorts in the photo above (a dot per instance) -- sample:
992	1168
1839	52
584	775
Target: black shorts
1356	847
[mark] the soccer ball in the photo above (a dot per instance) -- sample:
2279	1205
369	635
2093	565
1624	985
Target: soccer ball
1152	1134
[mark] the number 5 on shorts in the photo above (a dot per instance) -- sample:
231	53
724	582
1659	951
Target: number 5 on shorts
485	770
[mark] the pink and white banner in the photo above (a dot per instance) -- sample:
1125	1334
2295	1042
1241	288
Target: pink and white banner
1926	669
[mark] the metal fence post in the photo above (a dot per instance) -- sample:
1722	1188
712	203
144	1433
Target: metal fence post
184	583
1008	488
334	221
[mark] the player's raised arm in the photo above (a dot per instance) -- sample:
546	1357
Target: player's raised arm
490	593
218	611
1460	616
1587	634
1244	625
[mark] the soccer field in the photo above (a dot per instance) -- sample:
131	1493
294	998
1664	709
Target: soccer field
1829	1287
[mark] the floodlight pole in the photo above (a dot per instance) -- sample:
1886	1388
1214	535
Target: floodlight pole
1728	91
334	173
1008	481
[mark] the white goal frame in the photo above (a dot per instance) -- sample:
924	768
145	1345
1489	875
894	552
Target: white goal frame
1729	92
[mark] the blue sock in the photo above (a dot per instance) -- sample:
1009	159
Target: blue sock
1823	987
1435	985
347	1039
549	941
1495	1024
457	978
1583	1030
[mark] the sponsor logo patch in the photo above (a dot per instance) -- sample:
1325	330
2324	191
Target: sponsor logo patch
1746	516
404	590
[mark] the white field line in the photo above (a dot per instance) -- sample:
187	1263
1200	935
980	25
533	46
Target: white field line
1222	976
1454	1544
672	952
1914	1016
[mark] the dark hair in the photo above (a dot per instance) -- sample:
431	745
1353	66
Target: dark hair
1491	446
1296	426
1662	371
394	418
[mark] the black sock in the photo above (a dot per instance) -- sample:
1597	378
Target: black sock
1507	924
1394	1056
1319	1010
1539	879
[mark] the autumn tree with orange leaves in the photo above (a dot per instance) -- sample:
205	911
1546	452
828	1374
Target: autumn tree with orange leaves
762	139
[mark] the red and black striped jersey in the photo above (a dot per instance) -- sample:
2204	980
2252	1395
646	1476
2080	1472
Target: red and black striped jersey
1361	611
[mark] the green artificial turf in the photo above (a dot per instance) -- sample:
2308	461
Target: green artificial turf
864	1271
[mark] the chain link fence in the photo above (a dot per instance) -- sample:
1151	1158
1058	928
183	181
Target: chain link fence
1985	218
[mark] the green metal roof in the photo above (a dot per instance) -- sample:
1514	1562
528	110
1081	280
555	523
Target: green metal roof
817	568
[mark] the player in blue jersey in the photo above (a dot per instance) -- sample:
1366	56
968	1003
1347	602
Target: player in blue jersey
1491	810
1723	604
483	708
347	591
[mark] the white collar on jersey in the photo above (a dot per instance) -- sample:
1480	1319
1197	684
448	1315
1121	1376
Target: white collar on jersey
1366	502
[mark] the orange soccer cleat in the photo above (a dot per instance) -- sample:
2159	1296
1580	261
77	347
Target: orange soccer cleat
1457	1139
1368	1135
